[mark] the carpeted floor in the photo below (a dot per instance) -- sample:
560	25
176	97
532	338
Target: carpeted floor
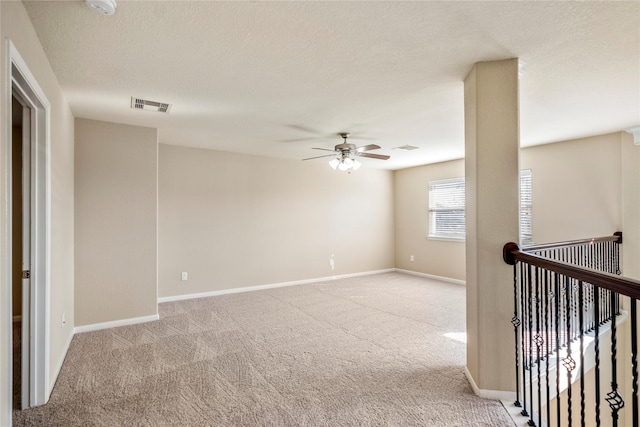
367	351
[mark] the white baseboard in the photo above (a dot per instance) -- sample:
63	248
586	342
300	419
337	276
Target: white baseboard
489	394
270	286
115	324
56	371
432	276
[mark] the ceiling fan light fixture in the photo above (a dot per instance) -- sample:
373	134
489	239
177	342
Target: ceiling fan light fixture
334	164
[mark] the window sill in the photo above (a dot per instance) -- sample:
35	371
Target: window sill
447	239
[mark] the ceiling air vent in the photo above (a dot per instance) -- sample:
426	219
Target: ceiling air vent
145	104
405	148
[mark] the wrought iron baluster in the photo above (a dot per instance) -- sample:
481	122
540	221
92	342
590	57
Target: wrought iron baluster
557	330
568	361
613	397
515	321
539	341
530	311
634	362
596	349
581	327
547	326
523	311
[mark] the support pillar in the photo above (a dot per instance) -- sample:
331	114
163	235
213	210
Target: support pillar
492	219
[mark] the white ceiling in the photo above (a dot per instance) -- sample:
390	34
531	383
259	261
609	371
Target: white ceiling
277	78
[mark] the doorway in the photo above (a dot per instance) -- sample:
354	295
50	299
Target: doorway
26	230
20	193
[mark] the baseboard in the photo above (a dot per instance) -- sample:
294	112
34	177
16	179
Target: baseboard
432	276
17	318
489	394
52	383
270	286
114	324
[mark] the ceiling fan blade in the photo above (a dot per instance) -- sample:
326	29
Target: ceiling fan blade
367	148
304	129
323	149
313	138
375	156
319	157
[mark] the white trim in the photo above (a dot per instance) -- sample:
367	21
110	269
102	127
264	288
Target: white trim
27	88
270	286
57	369
432	276
114	324
488	394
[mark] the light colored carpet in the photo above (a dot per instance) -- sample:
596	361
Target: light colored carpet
367	351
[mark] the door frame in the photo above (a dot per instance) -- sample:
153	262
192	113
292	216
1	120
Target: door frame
20	81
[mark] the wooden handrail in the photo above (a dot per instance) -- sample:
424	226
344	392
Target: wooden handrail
612	282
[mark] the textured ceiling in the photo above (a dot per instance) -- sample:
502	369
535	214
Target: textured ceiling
277	78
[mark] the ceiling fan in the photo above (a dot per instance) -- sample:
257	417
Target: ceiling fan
345	154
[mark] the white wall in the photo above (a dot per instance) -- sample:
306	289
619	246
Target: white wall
233	220
16	26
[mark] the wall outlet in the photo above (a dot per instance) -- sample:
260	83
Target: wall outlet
411	258
332	263
184	276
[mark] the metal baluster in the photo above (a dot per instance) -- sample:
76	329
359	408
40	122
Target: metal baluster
515	321
530	311
539	341
523	308
557	330
613	397
581	327
568	361
634	361
547	326
597	356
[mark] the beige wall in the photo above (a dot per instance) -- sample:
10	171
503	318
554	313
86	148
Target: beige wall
576	188
411	223
16	26
576	194
115	222
233	220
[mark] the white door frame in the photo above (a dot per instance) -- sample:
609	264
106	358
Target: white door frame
20	81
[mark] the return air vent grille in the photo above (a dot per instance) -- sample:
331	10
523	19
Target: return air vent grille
145	104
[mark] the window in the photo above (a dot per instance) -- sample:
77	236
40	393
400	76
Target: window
447	210
525	207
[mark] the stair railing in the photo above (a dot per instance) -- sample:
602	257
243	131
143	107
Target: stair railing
566	294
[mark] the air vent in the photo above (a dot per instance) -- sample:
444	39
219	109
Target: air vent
406	148
145	104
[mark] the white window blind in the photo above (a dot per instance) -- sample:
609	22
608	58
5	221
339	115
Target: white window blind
447	208
525	207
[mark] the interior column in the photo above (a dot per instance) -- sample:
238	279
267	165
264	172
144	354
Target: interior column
492	219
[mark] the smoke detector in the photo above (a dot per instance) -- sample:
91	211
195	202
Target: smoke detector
103	7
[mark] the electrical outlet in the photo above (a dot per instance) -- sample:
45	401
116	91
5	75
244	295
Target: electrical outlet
185	276
332	264
411	258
